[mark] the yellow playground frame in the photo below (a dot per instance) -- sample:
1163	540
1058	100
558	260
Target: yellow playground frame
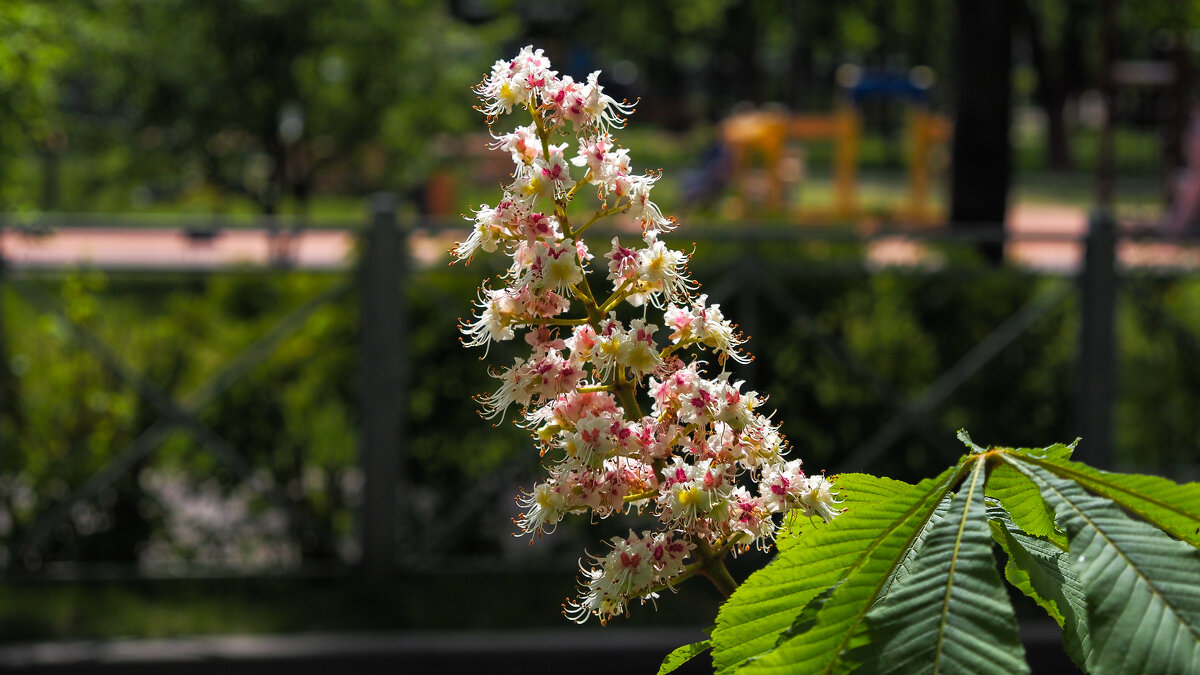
765	134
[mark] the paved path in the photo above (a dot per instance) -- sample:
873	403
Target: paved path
573	650
152	248
156	248
1060	256
1047	238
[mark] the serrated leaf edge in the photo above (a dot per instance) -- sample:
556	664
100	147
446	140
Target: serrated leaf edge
1083	479
940	490
1111	542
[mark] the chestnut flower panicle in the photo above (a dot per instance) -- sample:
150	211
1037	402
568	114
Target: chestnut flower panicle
704	461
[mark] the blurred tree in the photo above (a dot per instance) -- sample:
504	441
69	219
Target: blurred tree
30	52
267	99
1055	31
714	54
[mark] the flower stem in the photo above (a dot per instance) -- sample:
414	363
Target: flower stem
719	575
552	321
617	296
627	393
600	214
571	193
712	566
629	499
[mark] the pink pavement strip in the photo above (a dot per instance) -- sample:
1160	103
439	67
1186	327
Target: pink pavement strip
172	248
1047	219
1063	229
134	248
1067	256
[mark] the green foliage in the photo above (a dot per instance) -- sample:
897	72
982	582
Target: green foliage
905	580
858	488
288	414
682	655
1172	507
255	101
1042	571
1140	585
1024	503
951	611
856	553
32	48
297	409
292	413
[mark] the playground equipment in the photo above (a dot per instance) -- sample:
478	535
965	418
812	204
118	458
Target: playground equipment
766	135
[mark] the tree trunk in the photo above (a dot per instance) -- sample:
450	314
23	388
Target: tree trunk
48	197
982	94
747	76
11	419
799	60
1050	94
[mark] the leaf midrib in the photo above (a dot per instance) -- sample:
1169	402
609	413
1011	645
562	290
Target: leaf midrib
858	617
962	525
861	560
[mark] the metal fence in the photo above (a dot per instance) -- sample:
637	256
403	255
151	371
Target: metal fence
745	276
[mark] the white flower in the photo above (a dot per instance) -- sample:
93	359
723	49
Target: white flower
533	66
607	352
782	485
528	186
582	342
499	310
501	90
513	389
514	82
637	350
543	507
634	566
683	461
762	445
600	108
522	144
750	516
817	500
557	265
694	491
708	326
662	273
730	405
589	444
486	234
553	171
641	209
592	153
622	263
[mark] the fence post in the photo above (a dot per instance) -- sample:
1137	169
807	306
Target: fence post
381	368
1097	340
8	403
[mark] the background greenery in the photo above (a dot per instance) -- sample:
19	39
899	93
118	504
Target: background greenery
272	105
301	108
832	372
